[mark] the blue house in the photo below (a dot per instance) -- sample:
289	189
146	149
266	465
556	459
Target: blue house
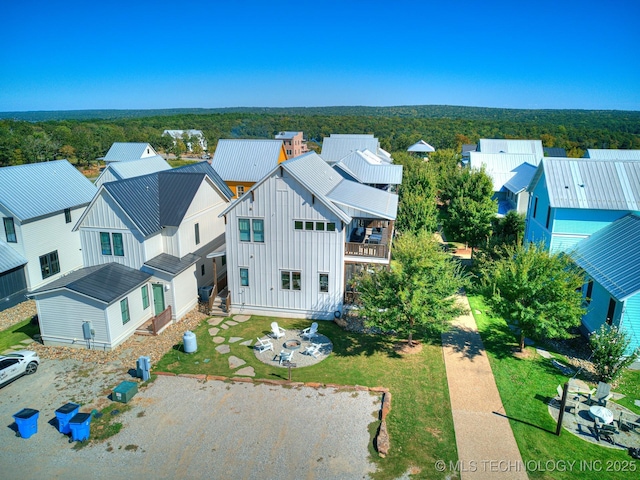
611	260
571	199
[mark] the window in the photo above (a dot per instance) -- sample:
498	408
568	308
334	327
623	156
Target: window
49	264
10	230
245	233
331	227
145	297
297	225
118	249
244	277
67	215
308	225
320	226
535	207
324	283
197	227
258	230
589	291
548	217
611	312
124	310
224	260
105	243
290	280
239	190
202	270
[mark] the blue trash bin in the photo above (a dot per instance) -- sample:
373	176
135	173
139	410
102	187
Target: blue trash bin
27	421
64	414
79	426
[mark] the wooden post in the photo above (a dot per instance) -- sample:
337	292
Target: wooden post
563	403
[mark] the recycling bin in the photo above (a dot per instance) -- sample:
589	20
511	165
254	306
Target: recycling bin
27	422
64	414
80	427
124	392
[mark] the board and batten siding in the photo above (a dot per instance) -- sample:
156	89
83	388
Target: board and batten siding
137	314
630	322
134	252
105	176
597	308
180	292
279	202
13	287
47	235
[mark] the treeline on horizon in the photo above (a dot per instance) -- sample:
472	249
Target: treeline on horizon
84	139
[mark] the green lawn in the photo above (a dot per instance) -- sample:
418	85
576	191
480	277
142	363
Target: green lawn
16	333
526	385
420	423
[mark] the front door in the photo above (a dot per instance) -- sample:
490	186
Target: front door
158	298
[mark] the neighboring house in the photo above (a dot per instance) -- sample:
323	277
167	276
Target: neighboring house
571	199
299	235
510	173
13	281
39	205
337	146
421	147
294	143
554	152
611	259
134	168
159	228
125	151
367	168
490	145
467	148
241	163
612	154
190	135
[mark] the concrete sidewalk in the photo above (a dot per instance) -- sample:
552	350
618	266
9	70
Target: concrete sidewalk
485	441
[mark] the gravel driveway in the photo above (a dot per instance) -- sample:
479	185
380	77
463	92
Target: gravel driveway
185	428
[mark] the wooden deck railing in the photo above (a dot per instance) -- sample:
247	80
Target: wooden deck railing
366	250
161	320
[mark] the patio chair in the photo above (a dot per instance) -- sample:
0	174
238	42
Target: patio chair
285	356
313	350
629	422
600	395
263	345
276	331
573	400
310	332
606	431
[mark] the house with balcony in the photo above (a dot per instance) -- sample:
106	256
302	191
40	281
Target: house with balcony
39	206
241	162
294	143
298	236
145	243
572	198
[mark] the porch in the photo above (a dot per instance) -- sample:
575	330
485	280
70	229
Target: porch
369	238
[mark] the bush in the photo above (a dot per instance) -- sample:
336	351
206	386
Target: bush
609	345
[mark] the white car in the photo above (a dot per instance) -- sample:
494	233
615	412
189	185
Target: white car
16	364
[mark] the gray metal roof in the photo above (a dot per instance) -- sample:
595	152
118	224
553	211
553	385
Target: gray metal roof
176	192
243	160
521	178
125	151
421	146
286	135
337	146
469	147
554	152
354	198
107	283
204	167
40	189
612	154
490	145
591	184
136	168
364	169
617	273
9	258
501	167
170	264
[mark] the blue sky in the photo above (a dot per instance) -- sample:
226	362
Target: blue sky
142	54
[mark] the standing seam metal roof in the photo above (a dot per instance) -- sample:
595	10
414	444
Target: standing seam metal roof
612	154
40	189
501	167
245	160
364	171
124	151
618	274
337	146
491	145
137	168
9	258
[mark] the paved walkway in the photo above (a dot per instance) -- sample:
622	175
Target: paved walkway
485	441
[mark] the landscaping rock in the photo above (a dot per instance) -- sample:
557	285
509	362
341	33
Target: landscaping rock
543	353
246	371
213	331
246	343
231	323
234	339
218	339
223	349
241	318
235	362
382	440
224	326
17	314
215	321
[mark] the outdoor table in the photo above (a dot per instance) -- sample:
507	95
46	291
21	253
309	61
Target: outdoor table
601	413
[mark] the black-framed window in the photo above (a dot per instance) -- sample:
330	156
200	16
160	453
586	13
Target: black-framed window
611	311
124	310
290	280
239	190
535	207
244	277
318	226
49	264
589	292
10	230
197	231
145	296
202	270
323	279
297	225
548	217
331	227
67	215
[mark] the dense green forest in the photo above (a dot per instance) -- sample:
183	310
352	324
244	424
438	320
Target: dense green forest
84	136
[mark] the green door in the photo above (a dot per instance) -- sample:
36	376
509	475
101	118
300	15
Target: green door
158	298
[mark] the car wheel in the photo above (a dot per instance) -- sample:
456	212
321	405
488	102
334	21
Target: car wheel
31	368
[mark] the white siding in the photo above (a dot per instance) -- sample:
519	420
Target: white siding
280	202
105	213
134	251
104	177
183	293
137	315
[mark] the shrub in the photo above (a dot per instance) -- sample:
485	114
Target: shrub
609	345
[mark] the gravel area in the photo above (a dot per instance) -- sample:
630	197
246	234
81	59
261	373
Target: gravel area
17	314
185	428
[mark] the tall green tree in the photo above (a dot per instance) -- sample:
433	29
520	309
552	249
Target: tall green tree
538	291
417	209
469	220
610	352
417	292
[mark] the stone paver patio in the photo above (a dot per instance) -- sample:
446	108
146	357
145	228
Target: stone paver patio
300	359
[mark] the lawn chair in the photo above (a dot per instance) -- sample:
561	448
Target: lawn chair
313	350
310	332
285	356
573	400
629	422
277	331
606	431
600	395
263	345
